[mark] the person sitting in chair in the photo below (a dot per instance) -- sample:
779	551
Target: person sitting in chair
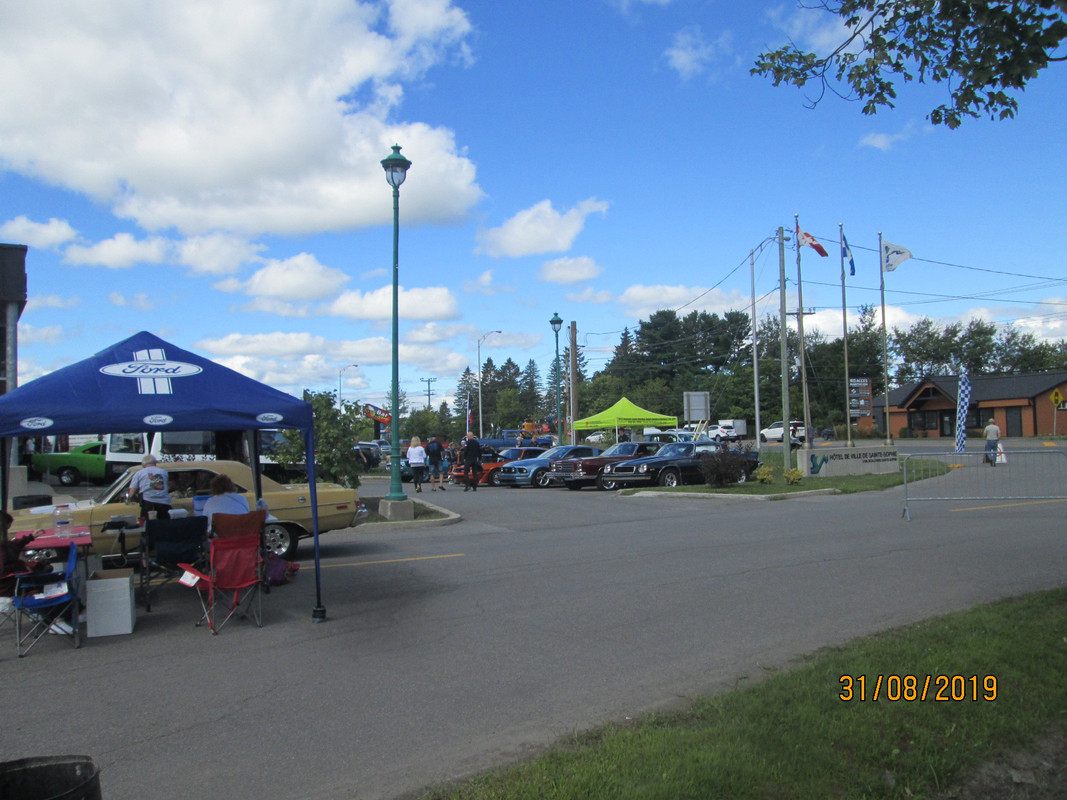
224	499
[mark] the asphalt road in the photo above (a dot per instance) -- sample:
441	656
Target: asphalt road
449	649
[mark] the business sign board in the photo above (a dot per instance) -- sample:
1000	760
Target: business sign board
831	463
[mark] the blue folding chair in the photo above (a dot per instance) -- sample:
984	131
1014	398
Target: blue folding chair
43	600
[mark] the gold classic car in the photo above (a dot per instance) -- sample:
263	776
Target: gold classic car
289	506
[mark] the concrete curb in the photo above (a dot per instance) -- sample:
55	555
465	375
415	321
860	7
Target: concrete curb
724	496
450	518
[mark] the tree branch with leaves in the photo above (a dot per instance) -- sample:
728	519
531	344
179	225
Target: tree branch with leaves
985	50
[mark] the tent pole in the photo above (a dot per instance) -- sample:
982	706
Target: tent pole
318	613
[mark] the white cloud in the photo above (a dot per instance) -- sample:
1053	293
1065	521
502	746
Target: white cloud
138	302
29	334
217	253
570	270
430	303
590	295
483	284
433	332
539	229
885	141
263	345
277	124
640	302
121	251
689	54
296	279
42	235
36	302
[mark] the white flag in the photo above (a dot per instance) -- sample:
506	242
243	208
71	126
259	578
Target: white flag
893	255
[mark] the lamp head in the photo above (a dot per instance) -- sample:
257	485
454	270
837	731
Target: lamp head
555	322
396	167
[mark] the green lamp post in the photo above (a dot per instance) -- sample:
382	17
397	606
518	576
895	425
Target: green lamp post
556	324
396	169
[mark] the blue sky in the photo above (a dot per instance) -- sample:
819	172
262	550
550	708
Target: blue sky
210	172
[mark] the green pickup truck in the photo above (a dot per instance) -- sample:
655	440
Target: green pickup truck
85	463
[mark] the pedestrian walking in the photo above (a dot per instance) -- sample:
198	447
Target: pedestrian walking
417	461
472	460
435	453
992	442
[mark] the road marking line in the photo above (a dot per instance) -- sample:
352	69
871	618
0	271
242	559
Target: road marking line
393	561
1010	505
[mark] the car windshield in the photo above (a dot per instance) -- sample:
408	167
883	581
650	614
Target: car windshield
105	495
556	452
621	449
676	449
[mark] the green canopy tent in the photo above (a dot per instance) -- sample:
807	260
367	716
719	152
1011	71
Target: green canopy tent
624	414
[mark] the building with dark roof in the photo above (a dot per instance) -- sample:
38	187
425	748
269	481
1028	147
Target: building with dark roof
1031	404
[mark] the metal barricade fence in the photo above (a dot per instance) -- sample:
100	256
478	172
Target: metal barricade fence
1018	475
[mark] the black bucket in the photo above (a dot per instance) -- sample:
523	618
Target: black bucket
50	778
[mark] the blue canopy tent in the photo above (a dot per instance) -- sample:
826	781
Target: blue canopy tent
146	384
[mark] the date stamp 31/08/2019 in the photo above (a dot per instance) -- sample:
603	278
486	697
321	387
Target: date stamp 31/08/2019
918	688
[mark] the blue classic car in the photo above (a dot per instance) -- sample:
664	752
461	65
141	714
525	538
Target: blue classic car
675	464
535	471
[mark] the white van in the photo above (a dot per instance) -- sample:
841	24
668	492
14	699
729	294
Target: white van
125	450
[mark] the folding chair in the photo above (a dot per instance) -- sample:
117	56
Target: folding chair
250	524
233	580
43	599
165	544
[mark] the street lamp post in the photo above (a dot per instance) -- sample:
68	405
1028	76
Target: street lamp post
556	324
341	372
396	169
481	433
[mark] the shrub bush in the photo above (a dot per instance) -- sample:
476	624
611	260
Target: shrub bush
792	476
764	474
723	467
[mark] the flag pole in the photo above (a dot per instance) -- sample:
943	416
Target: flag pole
885	348
800	333
844	339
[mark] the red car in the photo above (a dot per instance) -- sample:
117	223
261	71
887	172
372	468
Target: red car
491	464
578	472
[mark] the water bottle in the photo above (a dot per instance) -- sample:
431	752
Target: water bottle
63	520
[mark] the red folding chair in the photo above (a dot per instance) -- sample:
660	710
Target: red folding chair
232	583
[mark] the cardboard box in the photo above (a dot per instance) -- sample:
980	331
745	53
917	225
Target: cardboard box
109	603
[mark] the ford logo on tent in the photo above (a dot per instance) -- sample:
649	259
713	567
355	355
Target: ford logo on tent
152	369
36	423
269	417
158	419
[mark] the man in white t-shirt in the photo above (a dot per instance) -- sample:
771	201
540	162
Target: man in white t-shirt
149	487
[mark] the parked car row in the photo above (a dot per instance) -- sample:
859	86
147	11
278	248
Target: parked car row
625	463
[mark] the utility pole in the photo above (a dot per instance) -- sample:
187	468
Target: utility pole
429	389
783	323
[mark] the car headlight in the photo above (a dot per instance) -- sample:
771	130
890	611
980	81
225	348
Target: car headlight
607	468
643	468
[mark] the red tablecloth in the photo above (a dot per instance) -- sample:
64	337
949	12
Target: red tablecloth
79	535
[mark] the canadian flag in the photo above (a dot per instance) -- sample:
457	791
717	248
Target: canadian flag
810	241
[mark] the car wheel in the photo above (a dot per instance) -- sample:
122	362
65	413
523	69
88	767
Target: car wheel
605	485
280	540
668	478
718	437
743	476
494	478
68	476
541	479
762	438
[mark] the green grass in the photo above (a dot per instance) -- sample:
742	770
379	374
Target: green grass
789	736
844	484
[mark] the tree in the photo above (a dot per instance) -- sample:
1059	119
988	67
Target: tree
986	52
337	432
